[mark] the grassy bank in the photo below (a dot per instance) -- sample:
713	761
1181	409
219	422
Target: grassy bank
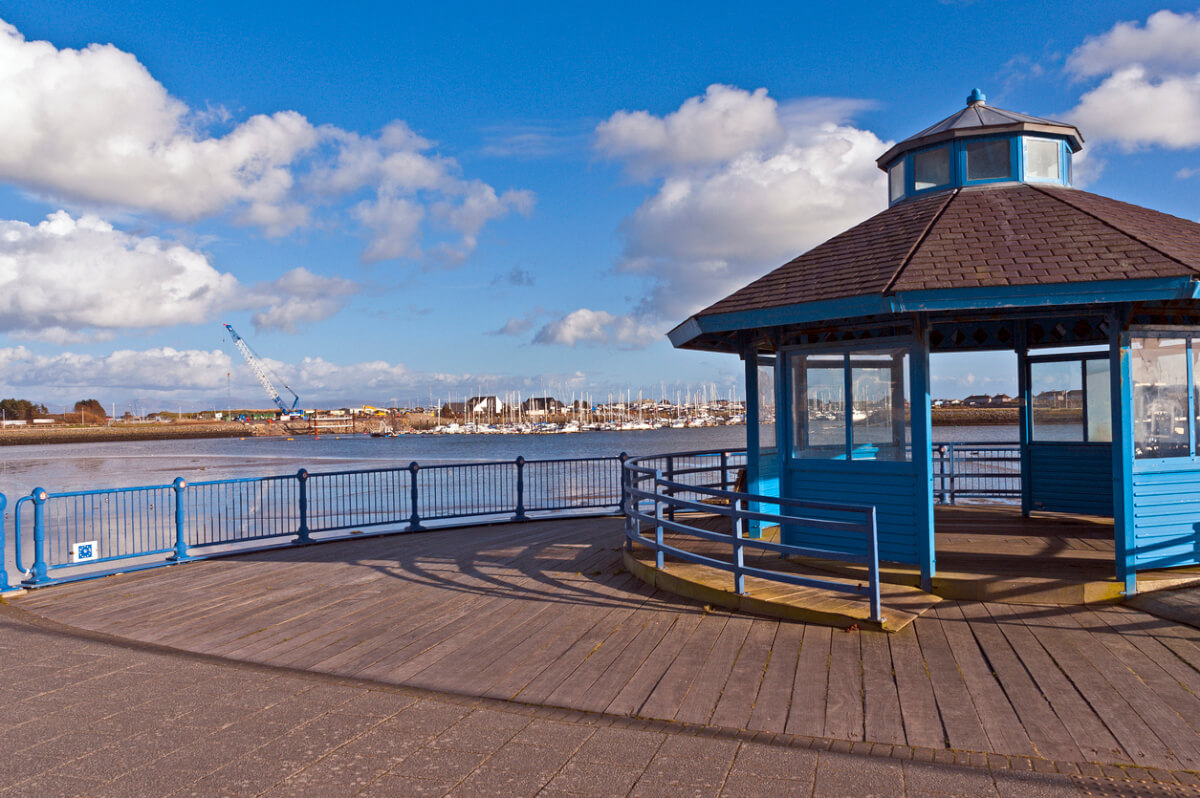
28	436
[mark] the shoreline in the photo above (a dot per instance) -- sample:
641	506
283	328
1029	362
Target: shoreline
36	436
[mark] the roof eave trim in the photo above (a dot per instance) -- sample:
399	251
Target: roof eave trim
685	333
986	298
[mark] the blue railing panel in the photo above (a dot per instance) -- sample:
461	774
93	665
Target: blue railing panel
692	482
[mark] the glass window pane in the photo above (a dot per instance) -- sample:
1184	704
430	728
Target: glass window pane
878	401
767	443
931	168
1160	414
1057	398
818	396
988	160
896	181
1041	159
1099	401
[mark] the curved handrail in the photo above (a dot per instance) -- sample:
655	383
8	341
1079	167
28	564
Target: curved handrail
663	495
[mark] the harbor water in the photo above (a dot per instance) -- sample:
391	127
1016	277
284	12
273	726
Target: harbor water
85	466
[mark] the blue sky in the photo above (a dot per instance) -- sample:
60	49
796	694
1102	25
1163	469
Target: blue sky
392	202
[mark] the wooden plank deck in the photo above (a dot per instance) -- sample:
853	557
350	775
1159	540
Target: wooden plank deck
545	613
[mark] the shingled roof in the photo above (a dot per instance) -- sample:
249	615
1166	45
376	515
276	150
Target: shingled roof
999	235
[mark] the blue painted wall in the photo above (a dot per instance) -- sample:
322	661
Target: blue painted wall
894	491
1166	515
1071	477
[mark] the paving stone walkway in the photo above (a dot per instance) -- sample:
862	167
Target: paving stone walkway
86	716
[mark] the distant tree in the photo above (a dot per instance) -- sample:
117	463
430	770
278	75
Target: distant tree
90	410
91	407
21	409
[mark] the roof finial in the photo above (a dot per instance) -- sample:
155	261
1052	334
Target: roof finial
976	97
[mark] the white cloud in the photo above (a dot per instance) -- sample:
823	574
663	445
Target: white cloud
586	326
94	126
724	123
1135	108
300	297
1150	92
409	187
68	279
1168	42
737	197
164	369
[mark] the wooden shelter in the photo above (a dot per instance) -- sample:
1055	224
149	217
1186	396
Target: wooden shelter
985	246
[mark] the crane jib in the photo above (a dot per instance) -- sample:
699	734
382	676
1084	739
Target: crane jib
261	373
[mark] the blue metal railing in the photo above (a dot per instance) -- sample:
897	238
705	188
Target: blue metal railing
652	498
976	471
144	527
181	521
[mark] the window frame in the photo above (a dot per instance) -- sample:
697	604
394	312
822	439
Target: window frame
1062	159
1081	358
845	349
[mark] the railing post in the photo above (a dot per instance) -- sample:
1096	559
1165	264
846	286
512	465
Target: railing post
941	472
950	478
668	491
658	527
739	578
520	516
302	534
724	470
873	566
625	509
414	517
621	458
181	552
38	571
4	586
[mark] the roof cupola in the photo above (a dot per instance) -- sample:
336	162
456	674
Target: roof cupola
979	145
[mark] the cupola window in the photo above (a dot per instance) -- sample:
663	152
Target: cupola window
988	159
1041	159
931	168
896	181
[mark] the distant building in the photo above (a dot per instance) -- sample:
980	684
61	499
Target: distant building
541	406
484	405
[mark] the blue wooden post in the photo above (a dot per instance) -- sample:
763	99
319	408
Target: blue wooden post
414	517
739	578
4	586
922	449
1121	376
520	515
753	443
302	533
181	552
39	570
1024	420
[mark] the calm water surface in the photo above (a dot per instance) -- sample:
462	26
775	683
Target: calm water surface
63	467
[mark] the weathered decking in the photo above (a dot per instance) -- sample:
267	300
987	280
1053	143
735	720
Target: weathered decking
543	613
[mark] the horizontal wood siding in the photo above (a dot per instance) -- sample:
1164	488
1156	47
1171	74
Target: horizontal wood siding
1166	518
895	494
1072	477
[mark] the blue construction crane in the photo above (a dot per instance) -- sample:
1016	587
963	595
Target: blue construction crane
263	373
